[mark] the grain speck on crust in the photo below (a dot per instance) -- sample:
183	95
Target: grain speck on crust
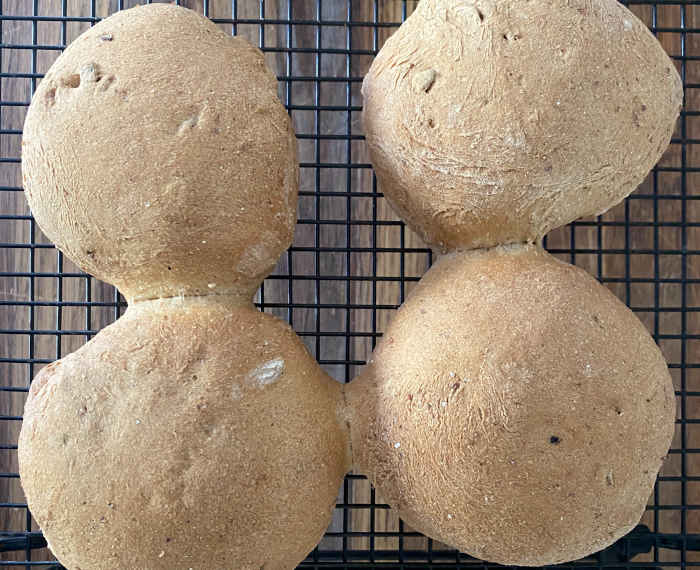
423	80
267	373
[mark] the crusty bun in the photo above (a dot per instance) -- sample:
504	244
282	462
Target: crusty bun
514	409
494	122
195	432
158	157
188	434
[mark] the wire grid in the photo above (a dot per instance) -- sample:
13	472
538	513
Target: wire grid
353	262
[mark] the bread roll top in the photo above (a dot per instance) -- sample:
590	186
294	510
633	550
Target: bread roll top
187	434
158	157
495	122
514	409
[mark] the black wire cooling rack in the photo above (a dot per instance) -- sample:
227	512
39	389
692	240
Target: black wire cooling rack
353	261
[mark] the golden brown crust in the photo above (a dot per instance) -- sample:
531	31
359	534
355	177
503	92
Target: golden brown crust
514	409
185	435
494	122
157	155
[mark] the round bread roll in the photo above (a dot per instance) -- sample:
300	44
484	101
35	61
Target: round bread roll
195	432
514	409
495	122
158	157
186	435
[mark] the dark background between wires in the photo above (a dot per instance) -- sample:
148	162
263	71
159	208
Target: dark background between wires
353	262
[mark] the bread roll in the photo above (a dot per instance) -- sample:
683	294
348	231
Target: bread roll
495	122
157	155
514	409
188	434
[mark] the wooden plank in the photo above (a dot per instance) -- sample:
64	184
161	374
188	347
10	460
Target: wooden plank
364	292
15	260
657	295
392	265
692	291
44	260
20	260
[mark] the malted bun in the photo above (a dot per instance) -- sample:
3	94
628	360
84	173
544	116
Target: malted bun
514	409
495	122
157	156
188	434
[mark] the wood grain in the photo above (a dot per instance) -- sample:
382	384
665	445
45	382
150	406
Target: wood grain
648	292
392	268
14	288
362	306
42	261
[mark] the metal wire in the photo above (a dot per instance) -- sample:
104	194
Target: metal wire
332	284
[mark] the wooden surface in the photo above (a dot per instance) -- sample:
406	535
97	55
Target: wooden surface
361	305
